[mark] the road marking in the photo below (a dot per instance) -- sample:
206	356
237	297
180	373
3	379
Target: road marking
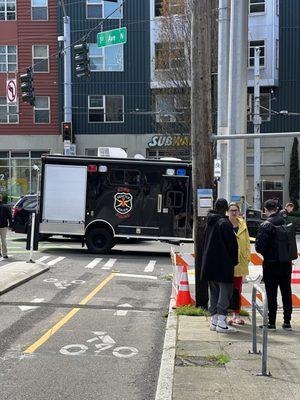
64	320
36	300
109	263
55	261
150	266
137	276
42	258
93	263
122	313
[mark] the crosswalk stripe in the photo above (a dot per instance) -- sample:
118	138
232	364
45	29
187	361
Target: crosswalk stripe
55	261
109	263
150	266
42	258
93	263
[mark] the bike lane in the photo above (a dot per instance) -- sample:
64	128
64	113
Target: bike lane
111	354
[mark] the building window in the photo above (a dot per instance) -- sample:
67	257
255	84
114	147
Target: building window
265	106
272	187
273	156
17	178
183	153
174	7
39	10
8	58
252	45
7	10
9	113
169	55
98	9
106	58
106	108
40	58
42	110
257	6
171	108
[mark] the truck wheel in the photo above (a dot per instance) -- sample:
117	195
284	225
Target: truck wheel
99	240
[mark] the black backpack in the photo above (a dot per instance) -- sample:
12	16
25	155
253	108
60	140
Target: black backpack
285	242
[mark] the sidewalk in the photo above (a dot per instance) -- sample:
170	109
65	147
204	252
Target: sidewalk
197	377
16	273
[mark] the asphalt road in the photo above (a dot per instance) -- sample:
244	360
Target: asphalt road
97	328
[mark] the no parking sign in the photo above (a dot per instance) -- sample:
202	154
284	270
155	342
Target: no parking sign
11	90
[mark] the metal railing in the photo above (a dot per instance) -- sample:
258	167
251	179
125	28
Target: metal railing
263	310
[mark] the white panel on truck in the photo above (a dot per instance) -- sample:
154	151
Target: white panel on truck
64	193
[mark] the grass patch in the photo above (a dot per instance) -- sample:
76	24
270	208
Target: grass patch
219	359
244	313
192	311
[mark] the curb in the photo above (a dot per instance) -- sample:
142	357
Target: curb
15	281
164	389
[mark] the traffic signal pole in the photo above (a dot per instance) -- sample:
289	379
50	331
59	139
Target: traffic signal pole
67	76
257	123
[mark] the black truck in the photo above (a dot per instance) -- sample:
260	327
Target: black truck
103	199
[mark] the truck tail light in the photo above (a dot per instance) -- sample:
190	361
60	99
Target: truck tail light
92	168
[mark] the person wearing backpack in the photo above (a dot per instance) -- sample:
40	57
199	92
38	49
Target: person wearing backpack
275	242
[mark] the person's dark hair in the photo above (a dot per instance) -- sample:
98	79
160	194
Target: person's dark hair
221	206
271	205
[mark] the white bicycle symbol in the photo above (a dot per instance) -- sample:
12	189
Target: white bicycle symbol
107	343
63	284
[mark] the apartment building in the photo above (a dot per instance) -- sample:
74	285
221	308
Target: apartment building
28	38
112	106
272	28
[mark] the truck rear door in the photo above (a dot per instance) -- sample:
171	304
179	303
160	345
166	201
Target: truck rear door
63	199
173	207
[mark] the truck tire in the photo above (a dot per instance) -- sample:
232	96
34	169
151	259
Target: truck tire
99	240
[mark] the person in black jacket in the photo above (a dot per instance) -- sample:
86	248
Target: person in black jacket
275	273
219	256
5	222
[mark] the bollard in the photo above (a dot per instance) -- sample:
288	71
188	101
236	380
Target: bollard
264	313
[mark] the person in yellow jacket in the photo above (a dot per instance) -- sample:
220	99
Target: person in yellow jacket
241	269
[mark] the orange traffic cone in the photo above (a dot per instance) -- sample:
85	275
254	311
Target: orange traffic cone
183	296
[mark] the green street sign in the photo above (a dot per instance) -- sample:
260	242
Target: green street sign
110	38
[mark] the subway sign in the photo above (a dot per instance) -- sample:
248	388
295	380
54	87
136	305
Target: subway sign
170	141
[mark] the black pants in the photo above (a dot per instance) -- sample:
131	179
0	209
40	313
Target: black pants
282	278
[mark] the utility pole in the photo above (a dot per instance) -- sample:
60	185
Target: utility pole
237	97
201	125
223	67
66	39
257	124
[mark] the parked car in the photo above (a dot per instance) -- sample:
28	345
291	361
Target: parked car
21	212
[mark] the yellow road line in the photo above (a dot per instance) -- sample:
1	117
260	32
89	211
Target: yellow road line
65	319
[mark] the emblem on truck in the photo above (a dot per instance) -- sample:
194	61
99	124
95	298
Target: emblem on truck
123	202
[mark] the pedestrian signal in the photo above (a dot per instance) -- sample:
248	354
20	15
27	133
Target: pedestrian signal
67	132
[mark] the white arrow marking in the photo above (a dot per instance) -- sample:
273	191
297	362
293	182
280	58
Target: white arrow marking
122	313
36	300
109	264
55	261
150	266
93	263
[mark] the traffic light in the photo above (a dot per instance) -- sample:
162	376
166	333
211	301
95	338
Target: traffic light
27	88
67	132
82	61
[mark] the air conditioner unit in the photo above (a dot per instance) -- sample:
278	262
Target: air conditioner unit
111	152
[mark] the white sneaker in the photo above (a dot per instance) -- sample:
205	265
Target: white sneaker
213	323
223	327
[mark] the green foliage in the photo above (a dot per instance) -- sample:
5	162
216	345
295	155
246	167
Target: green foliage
219	359
294	183
192	311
